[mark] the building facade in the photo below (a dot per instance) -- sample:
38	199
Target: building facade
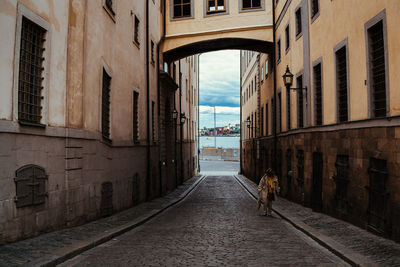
87	121
337	129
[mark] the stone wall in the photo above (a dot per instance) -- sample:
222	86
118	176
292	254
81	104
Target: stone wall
363	147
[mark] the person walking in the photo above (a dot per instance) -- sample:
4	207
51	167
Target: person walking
268	190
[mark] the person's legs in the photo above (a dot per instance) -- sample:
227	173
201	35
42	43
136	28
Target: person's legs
269	207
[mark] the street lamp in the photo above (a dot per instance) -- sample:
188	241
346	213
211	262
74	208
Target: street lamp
183	118
288	81
247	122
174	114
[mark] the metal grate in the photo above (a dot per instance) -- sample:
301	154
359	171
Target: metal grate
298	22
182	8
105	110
341	178
31	72
377	68
300	167
136	30
266	119
341	74
300	105
288	110
378	175
30	184
318	94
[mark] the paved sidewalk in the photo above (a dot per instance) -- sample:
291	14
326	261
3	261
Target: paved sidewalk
55	247
355	245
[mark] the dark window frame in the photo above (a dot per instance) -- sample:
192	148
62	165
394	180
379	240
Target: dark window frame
209	12
299	24
379	18
251	7
106	106
287	38
135	116
279	103
180	17
315	9
266	119
288	111
136	30
340	116
300	101
278	52
318	116
30	90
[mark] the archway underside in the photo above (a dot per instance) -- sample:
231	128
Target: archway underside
218	44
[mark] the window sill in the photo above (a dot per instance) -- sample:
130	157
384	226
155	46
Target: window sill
287	50
315	16
181	18
107	140
32	124
299	35
217	13
109	12
137	44
243	10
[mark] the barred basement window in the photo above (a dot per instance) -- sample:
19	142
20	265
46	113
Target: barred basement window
342	180
377	68
298	22
182	8
288	110
341	84
249	4
378	175
215	6
300	167
300	105
30	182
314	7
318	94
105	106
31	72
135	117
136	30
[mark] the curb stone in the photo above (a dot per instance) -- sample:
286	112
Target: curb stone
338	249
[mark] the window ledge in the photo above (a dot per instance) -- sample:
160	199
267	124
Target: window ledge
299	35
32	124
313	18
109	13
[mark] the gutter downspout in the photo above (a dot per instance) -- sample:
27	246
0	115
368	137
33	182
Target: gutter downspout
159	102
275	100
198	113
241	128
148	105
180	123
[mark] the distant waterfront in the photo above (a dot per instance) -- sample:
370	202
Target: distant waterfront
222	141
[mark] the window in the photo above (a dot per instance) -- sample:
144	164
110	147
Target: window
300	167
262	121
105	106
135	124
262	73
266	119
273	116
252	125
152	52
341	84
314	8
215	6
250	4
287	36
136	30
279	112
288	110
298	22
266	68
318	94
377	70
278	52
300	104
31	72
153	126
342	179
26	193
182	8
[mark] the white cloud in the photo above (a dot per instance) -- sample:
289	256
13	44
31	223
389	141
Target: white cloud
220	110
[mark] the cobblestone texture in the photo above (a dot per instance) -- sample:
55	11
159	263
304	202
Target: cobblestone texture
45	246
216	225
380	250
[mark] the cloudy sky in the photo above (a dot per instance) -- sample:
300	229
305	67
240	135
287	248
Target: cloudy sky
219	87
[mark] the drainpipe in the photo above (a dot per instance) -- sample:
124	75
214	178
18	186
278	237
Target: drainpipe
198	113
159	102
148	105
275	100
180	123
240	122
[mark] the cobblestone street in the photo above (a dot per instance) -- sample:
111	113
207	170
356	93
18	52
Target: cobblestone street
216	225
